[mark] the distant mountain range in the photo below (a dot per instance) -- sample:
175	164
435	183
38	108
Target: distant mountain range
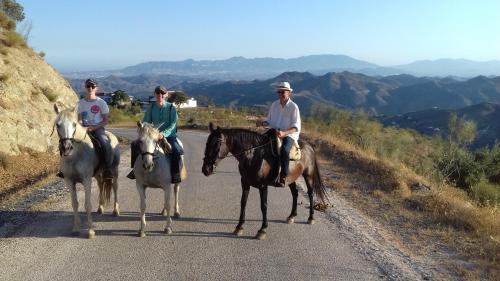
389	95
435	121
240	68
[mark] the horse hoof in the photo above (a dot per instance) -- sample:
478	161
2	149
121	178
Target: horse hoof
91	234
310	221
261	235
290	220
177	215
141	234
164	212
116	213
100	211
238	231
168	230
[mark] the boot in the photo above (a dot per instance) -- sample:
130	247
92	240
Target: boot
131	175
281	182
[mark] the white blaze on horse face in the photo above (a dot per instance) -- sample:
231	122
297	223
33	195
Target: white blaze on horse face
148	145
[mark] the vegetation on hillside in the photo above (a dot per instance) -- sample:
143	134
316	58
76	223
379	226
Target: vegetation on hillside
10	12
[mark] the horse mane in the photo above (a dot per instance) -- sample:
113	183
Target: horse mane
148	130
244	137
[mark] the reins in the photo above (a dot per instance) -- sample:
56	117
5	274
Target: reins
246	150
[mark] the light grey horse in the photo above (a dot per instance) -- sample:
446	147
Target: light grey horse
79	163
152	169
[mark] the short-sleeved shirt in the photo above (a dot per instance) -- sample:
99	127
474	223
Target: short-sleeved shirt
165	114
92	111
285	117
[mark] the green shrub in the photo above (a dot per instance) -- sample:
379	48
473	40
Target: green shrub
486	193
41	54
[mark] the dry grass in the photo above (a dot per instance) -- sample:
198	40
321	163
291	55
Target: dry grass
443	215
4	160
49	93
4	77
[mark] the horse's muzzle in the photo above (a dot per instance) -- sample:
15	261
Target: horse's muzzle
207	169
148	167
65	147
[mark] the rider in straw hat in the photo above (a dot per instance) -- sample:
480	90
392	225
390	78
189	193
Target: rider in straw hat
284	116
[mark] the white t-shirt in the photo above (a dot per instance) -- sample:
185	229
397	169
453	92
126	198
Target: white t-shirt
91	111
285	117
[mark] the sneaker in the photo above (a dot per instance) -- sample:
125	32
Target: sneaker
60	174
176	178
131	175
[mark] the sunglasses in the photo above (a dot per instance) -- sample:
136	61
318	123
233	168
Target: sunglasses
161	93
281	92
89	86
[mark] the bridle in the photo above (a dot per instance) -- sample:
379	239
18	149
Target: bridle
153	154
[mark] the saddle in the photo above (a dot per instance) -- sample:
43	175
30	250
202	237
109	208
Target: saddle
295	153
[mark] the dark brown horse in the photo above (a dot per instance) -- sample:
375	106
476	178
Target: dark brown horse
258	162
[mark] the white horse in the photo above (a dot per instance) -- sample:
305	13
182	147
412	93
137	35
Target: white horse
152	169
79	163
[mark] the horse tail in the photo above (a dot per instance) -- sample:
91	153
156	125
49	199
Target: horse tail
105	191
318	185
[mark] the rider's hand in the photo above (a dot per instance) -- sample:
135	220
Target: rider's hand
162	136
281	134
90	128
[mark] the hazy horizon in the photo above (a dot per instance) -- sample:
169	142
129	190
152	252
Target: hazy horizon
103	35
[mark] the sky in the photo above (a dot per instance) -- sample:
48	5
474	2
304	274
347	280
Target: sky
79	35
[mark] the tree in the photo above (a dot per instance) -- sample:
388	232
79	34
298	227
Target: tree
12	9
120	98
177	97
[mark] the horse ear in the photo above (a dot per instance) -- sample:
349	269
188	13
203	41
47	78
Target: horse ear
56	108
211	127
140	124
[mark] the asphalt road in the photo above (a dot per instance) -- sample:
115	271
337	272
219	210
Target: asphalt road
201	247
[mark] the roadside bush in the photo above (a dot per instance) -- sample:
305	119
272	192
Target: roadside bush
486	193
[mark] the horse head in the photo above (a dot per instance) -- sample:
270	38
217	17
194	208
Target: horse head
67	124
148	141
215	150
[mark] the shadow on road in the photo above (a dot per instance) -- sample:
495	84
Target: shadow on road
19	224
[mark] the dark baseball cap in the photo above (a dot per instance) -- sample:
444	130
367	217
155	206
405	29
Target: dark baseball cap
90	82
160	89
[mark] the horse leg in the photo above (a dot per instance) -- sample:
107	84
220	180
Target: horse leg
168	227
295	193
87	183
244	196
100	184
261	234
309	184
116	209
177	213
74	204
142	195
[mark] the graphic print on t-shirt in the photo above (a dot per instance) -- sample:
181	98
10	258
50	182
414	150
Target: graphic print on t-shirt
94	109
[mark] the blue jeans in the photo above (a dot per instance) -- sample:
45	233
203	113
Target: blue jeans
105	145
176	156
286	146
